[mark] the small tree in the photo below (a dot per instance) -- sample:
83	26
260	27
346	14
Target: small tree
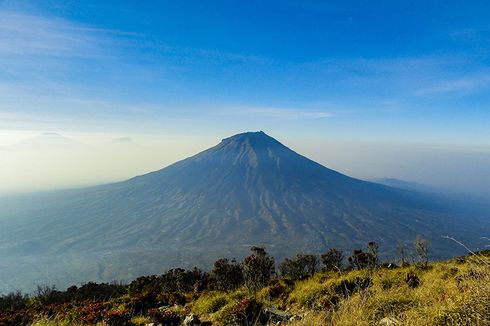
49	295
421	247
332	259
300	267
227	274
12	302
373	249
310	263
361	259
289	268
182	280
258	269
401	248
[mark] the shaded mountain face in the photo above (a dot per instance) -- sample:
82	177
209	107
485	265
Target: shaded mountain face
249	189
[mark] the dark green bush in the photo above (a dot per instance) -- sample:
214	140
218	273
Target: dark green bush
258	269
332	259
227	275
300	267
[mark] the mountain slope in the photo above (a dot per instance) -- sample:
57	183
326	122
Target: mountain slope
248	189
407	185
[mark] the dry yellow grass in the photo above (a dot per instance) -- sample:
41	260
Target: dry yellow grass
452	292
449	293
51	322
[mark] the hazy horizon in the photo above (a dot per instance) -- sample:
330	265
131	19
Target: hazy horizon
31	162
385	90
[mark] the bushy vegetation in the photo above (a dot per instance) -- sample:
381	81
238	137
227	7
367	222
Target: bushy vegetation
332	260
257	269
310	290
228	275
300	267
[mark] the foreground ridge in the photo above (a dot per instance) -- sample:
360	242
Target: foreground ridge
451	292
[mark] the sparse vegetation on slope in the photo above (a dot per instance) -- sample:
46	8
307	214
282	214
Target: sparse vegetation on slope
452	292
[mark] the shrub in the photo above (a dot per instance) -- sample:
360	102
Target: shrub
373	249
227	274
277	289
247	311
300	267
412	280
165	316
181	280
258	269
12	302
332	259
422	249
15	318
93	313
401	249
140	303
361	259
120	318
348	287
94	291
145	285
49	295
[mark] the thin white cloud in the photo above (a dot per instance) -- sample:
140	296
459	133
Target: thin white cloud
465	85
43	61
403	77
23	34
276	112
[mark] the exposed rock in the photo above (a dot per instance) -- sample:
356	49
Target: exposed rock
388	321
274	314
192	320
295	318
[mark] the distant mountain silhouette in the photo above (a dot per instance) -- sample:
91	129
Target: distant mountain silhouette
249	189
123	140
48	141
123	143
408	185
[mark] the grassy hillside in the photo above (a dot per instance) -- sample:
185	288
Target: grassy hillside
452	292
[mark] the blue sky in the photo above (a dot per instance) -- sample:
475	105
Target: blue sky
408	71
370	88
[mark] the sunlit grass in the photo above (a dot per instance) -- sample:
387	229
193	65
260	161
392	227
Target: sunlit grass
453	292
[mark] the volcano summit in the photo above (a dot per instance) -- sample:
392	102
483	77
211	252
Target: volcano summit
249	189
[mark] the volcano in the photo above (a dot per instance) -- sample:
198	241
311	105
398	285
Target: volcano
249	189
